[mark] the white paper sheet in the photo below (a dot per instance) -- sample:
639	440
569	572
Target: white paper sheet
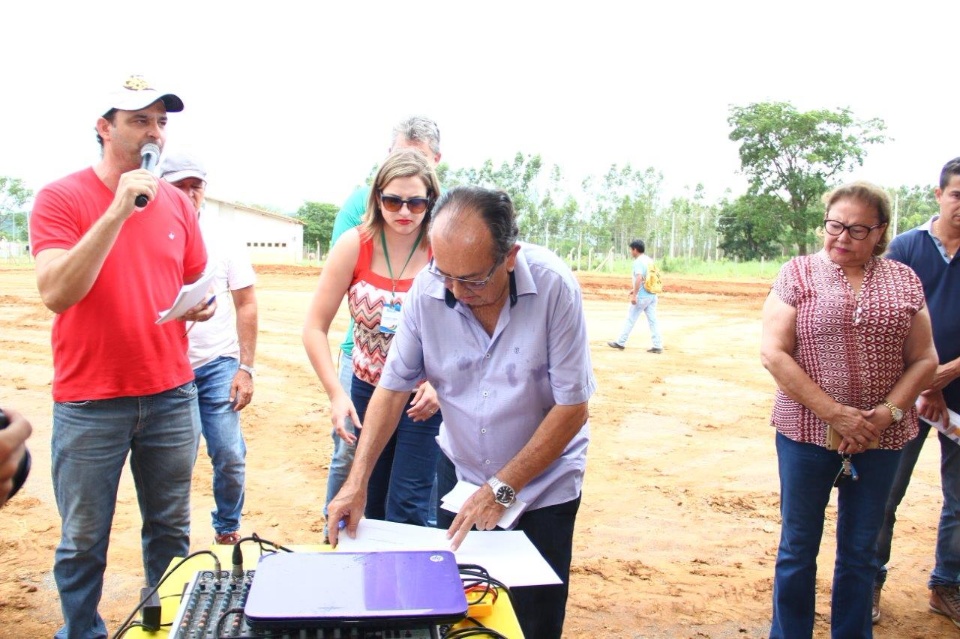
453	501
953	432
189	296
507	555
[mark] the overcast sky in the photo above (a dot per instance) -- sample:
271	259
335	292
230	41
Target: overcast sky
294	101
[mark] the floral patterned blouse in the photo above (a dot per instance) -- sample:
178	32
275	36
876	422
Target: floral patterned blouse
851	345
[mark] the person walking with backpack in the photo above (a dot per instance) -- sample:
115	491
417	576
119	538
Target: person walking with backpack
643	298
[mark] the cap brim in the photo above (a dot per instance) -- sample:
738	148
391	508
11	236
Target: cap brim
136	100
176	176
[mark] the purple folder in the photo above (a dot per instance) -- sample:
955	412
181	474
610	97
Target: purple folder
326	589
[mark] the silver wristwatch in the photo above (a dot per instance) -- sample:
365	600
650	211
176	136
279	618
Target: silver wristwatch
502	492
249	370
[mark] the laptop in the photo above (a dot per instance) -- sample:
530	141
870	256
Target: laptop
329	589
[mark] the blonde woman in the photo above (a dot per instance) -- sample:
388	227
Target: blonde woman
374	265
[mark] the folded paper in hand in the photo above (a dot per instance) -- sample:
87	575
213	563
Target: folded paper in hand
454	500
188	297
952	430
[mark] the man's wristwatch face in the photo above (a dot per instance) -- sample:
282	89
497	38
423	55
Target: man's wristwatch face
502	493
505	495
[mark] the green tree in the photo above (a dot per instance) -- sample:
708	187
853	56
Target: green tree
518	178
13	216
624	203
318	221
749	226
913	205
796	156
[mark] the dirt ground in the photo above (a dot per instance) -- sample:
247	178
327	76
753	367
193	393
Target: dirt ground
679	523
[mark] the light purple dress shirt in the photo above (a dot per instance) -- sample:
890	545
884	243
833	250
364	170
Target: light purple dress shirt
495	391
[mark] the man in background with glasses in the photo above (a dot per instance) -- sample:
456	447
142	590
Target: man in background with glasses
419	133
498	328
931	251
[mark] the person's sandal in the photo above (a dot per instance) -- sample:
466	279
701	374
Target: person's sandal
227	539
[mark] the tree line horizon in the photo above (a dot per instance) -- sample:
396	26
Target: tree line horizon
789	157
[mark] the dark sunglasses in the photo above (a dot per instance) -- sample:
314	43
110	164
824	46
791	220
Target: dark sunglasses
392	203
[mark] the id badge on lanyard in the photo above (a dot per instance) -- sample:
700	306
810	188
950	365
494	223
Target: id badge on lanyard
390	317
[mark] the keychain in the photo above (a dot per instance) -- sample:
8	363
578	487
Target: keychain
847	469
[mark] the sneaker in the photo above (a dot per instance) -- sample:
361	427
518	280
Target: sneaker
877	588
615	345
655	350
227	539
945	600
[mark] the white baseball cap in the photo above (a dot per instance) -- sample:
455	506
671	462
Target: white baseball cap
180	166
135	94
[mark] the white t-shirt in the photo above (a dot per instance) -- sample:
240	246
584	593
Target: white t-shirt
228	257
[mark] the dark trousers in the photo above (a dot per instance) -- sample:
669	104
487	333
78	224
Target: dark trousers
401	484
540	609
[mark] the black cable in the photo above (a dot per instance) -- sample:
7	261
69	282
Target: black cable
223	617
255	537
135	624
474	575
477	575
478	630
126	622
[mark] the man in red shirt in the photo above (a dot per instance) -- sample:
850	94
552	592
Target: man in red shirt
122	383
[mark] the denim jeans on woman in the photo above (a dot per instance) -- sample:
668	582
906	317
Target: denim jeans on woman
401	485
91	441
221	429
946	569
807	473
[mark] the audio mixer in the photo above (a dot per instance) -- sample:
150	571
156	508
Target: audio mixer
212	608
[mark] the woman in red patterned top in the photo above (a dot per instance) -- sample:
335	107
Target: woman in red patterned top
847	338
374	265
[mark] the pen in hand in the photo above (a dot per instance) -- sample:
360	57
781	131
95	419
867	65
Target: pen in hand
192	324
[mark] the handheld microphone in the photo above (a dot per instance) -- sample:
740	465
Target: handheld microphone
149	156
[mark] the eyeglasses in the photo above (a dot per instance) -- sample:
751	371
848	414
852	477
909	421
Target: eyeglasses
856	231
392	203
472	284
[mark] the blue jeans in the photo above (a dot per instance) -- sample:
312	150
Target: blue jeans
946	569
540	609
645	304
401	484
221	429
807	472
343	453
90	443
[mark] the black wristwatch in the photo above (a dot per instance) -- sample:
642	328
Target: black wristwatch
502	492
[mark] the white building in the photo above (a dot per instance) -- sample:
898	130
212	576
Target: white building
271	238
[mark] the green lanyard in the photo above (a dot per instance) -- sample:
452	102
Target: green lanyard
386	256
